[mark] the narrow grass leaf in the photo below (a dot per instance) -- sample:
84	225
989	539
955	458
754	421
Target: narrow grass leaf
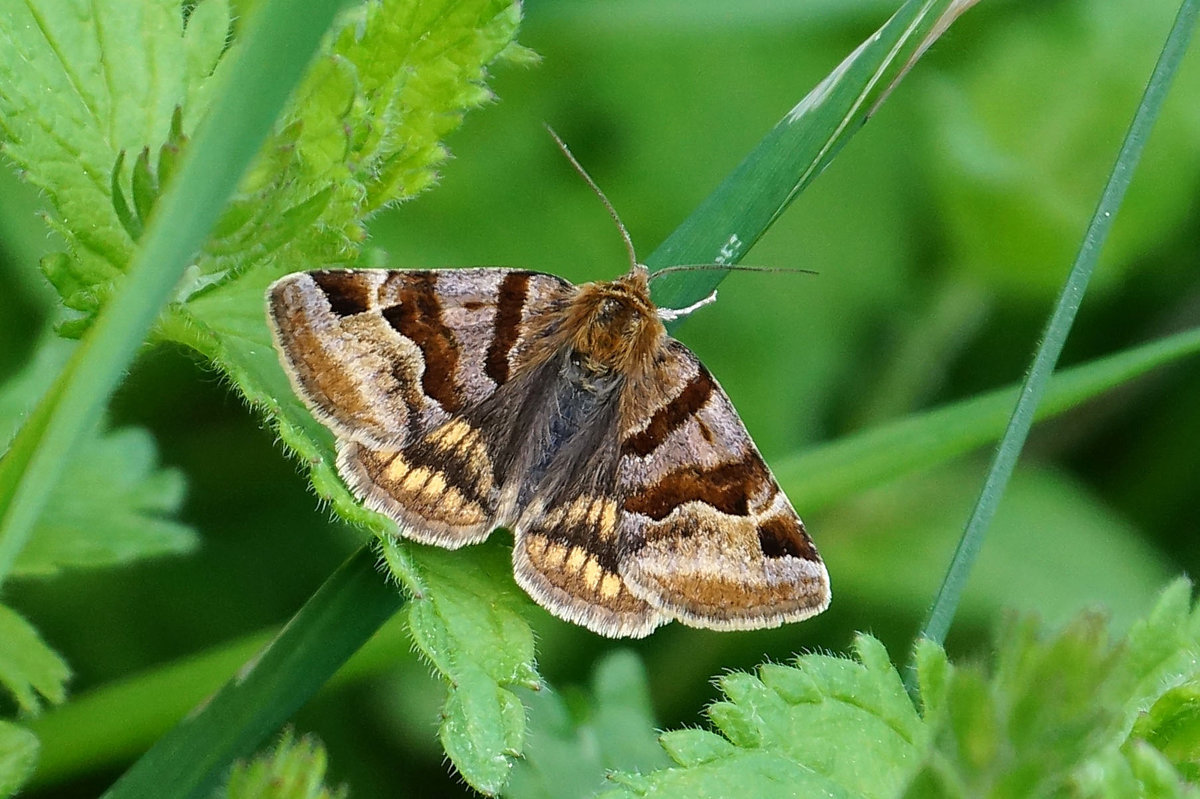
338	619
731	219
116	722
834	471
942	612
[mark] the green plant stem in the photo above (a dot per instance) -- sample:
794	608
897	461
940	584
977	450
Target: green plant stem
942	611
283	34
339	618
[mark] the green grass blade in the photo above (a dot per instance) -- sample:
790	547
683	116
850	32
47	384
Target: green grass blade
284	34
115	722
731	219
824	475
942	612
332	625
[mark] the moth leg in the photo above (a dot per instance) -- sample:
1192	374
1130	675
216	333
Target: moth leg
565	557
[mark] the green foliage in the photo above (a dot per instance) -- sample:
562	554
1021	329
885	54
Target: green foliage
335	623
68	123
1058	326
575	740
364	130
294	768
112	507
482	647
1053	715
994	234
29	669
18	754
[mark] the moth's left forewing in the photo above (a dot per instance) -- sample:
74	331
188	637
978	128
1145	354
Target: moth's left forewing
709	537
399	363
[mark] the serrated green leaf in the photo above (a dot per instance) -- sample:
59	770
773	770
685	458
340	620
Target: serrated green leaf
692	747
79	94
294	768
223	147
1054	715
483	728
933	677
855	733
369	85
18	756
29	669
1172	726
475	637
572	746
113	504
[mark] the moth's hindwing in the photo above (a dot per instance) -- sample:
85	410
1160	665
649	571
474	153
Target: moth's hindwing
707	535
393	362
567	557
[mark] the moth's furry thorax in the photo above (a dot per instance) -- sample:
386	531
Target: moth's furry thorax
613	326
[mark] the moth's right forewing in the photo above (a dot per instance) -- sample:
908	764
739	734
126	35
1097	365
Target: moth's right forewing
709	538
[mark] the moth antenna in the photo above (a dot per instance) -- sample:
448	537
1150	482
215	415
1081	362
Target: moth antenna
562	145
671	314
728	267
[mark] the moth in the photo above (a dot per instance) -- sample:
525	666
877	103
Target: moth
468	399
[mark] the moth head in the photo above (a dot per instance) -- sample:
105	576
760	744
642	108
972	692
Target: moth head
615	325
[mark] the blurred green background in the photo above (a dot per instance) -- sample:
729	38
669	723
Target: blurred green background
940	236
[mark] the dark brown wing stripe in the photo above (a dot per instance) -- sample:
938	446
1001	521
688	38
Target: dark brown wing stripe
510	306
454	467
418	316
346	291
781	535
670	416
727	487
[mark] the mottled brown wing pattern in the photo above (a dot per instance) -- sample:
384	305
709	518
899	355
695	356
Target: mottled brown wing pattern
707	536
467	399
567	556
393	361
